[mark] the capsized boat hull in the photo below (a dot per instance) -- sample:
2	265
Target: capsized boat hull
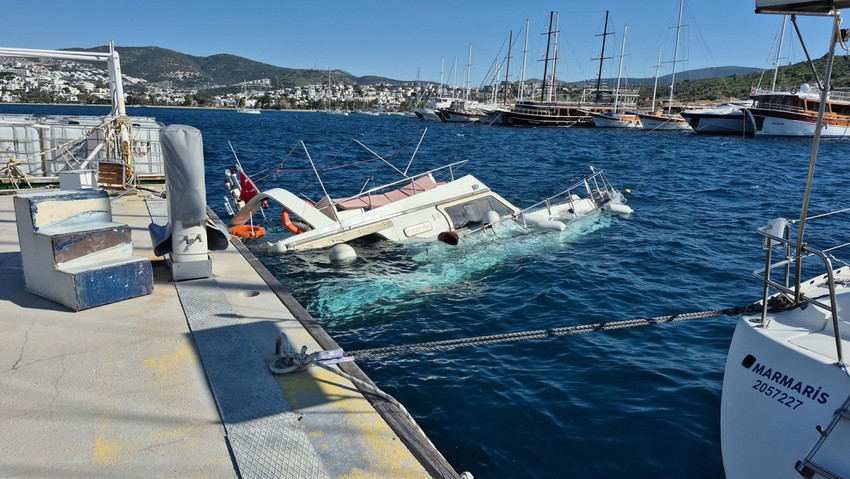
421	217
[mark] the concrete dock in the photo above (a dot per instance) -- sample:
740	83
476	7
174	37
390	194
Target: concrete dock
175	383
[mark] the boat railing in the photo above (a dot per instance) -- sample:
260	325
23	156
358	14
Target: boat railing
777	106
596	186
777	233
410	180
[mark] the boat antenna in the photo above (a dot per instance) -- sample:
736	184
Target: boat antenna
806	50
835	37
414	152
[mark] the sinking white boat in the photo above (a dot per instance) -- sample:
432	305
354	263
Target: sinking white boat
423	207
590	196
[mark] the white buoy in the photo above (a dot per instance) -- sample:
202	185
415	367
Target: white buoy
620	209
491	217
342	254
548	225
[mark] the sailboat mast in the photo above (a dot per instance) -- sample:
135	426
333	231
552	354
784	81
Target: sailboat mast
655	86
546	58
508	67
454	81
524	54
495	87
555	58
778	53
620	69
468	74
675	55
601	59
441	78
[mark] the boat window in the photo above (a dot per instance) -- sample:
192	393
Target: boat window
840	108
472	212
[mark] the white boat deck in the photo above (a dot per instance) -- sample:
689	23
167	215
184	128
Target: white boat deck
128	390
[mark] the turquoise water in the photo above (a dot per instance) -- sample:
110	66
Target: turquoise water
630	403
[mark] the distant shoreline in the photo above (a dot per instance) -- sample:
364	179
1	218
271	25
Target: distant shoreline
88	105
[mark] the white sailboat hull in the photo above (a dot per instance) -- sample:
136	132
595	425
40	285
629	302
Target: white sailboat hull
663	122
621	121
737	123
780	383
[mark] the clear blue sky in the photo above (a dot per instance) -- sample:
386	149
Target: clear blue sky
397	38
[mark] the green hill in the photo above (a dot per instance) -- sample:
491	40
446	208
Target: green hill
156	64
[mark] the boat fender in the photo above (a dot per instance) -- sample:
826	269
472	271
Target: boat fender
550	225
491	217
288	224
342	254
449	237
619	208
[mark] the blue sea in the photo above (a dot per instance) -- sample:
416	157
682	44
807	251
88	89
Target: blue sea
641	402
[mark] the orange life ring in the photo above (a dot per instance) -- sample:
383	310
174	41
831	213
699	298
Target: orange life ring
288	224
247	231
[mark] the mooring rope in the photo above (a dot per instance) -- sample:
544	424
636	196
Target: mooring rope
448	344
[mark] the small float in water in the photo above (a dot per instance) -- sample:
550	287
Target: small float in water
557	211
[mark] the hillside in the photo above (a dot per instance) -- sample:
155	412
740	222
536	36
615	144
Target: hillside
156	64
224	72
739	86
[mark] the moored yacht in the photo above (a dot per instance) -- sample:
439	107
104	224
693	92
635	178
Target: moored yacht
795	113
432	108
728	118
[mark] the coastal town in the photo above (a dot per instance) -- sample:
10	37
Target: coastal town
68	82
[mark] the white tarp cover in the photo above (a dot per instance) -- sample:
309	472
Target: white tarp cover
185	187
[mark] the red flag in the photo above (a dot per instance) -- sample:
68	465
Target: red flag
246	184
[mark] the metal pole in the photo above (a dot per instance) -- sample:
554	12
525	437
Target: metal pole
824	95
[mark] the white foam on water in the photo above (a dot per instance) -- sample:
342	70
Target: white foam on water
438	266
